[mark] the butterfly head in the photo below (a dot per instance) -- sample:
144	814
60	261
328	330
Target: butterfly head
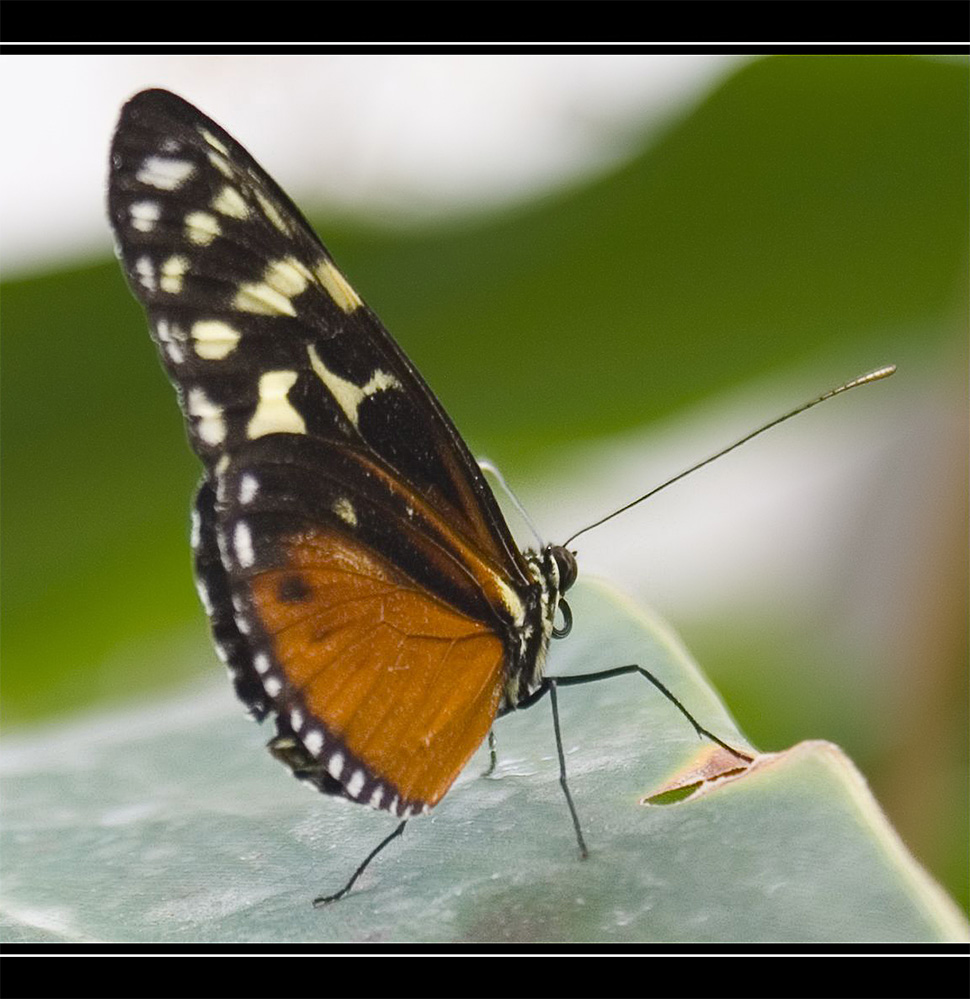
565	562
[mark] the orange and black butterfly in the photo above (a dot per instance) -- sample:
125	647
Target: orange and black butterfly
361	582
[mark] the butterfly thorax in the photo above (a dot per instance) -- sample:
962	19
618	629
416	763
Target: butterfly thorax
554	571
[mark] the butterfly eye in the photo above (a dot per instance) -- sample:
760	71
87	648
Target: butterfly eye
567	621
566	564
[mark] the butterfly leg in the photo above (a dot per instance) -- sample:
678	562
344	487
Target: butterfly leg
606	674
549	686
583	851
326	899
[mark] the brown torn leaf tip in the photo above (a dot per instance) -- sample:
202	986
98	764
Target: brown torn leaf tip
711	764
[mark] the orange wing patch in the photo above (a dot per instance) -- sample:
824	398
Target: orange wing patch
408	685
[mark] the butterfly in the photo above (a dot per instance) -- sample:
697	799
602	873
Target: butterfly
362	585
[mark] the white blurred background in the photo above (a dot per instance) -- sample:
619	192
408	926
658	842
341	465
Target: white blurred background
404	137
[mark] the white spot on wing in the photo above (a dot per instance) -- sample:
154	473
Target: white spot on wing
288	276
344	509
213	141
231	203
335	765
145	270
167	336
337	286
262	300
210	425
375	798
347	395
201	228
172	272
242	543
247	488
222	545
165	174
274	411
313	741
296	721
272	212
214	339
221	164
282	281
144	215
203	592
272	686
356	783
261	662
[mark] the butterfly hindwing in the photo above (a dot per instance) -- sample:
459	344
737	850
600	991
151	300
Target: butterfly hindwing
360	580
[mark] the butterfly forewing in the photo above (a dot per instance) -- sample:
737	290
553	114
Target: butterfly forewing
256	325
359	577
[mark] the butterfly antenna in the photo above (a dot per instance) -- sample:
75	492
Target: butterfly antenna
490	468
872	376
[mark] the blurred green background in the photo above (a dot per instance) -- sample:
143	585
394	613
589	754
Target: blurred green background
810	214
